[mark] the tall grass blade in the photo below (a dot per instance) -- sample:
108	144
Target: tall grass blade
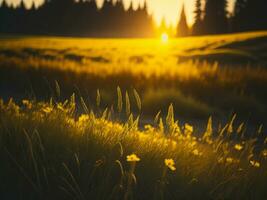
170	118
127	104
138	100
98	98
207	135
156	118
120	101
77	188
84	106
57	89
35	165
22	171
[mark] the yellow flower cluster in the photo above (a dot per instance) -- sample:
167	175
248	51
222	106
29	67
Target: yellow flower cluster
229	160
255	163
188	129
170	164
60	107
149	128
197	153
27	103
47	110
133	158
83	118
142	136
238	147
191	144
264	153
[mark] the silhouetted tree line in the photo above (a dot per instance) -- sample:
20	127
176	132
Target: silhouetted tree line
248	15
77	18
83	18
212	17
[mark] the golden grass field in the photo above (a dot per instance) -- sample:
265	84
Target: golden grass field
148	120
201	76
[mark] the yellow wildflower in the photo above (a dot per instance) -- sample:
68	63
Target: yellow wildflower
238	147
209	141
220	160
229	160
196	152
133	158
254	163
27	103
192	144
47	110
83	118
142	136
173	144
170	164
60	107
149	128
189	129
264	153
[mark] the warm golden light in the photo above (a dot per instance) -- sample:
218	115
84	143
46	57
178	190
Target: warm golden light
169	9
164	38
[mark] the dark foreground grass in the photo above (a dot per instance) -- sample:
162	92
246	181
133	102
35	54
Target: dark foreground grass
50	151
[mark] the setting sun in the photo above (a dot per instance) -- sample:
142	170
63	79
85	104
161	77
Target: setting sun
164	37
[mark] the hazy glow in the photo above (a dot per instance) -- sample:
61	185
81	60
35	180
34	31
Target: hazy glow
168	9
164	38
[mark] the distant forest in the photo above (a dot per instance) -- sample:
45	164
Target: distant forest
72	18
83	18
248	15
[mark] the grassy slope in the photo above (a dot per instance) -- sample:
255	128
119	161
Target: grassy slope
47	151
245	44
51	151
184	72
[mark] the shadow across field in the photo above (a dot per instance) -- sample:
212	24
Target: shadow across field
50	55
200	76
251	51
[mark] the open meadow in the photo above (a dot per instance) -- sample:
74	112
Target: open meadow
133	118
201	76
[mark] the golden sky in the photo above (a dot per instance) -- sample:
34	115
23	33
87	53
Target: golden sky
169	9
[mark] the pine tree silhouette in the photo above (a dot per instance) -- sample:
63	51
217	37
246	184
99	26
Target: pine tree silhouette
83	18
144	20
250	15
32	18
76	18
6	18
182	27
118	17
215	17
239	15
21	16
197	26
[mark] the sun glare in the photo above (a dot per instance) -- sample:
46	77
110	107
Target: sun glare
164	38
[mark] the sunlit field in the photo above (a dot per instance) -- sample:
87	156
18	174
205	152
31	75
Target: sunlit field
133	118
201	76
